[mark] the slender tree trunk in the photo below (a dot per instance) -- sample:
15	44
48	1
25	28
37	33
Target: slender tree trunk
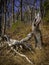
18	13
41	8
32	14
1	3
8	21
21	10
13	11
34	11
5	4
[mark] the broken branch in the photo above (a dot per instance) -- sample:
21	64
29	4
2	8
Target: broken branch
22	55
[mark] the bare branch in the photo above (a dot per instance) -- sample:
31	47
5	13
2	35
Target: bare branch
22	55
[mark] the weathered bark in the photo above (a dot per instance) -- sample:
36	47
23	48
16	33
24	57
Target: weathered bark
17	42
36	31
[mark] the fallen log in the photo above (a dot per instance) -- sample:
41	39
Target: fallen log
22	43
11	42
16	42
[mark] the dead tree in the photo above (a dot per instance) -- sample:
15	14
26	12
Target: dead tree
36	31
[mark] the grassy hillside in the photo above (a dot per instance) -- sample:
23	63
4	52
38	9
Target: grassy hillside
18	31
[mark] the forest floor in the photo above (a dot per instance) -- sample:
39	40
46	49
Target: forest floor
39	57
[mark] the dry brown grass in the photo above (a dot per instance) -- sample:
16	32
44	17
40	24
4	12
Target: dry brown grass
40	57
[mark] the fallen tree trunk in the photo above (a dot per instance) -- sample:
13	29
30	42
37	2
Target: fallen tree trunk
20	44
17	42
